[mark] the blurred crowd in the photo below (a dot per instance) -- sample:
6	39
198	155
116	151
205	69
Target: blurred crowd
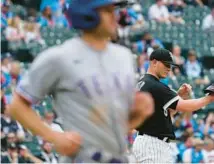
195	134
190	67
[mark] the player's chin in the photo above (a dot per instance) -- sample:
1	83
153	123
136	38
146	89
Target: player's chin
164	75
113	31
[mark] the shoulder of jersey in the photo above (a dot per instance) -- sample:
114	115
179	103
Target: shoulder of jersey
58	51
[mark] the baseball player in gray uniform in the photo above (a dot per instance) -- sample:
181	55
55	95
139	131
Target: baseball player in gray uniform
92	84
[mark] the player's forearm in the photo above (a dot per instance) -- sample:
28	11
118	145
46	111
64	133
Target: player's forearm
22	112
193	104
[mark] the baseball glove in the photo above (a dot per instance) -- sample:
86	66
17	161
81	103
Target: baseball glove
210	89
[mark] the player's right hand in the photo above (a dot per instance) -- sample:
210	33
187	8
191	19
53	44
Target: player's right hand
67	143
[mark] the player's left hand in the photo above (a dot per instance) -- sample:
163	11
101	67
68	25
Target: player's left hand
184	91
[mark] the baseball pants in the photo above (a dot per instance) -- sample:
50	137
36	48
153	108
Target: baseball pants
148	149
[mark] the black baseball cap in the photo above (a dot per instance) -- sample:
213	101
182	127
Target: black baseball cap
163	55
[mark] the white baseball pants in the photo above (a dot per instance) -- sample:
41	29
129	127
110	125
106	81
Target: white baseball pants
148	149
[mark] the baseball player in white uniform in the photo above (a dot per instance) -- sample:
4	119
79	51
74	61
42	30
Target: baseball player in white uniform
92	82
156	135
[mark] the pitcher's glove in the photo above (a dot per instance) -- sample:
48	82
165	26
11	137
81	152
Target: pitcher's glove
210	89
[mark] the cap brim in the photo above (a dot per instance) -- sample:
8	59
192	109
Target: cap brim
117	3
121	3
171	63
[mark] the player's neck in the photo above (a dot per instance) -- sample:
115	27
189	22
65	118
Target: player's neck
152	73
96	42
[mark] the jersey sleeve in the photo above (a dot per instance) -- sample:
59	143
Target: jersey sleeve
169	98
41	78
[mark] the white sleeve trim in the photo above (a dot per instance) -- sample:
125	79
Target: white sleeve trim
170	102
27	96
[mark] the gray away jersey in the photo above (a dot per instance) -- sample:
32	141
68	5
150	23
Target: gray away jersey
92	90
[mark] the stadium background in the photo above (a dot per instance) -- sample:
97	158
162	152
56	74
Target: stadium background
28	27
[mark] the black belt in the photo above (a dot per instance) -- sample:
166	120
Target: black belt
165	139
162	138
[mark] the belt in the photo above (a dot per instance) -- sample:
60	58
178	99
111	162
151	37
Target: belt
167	139
162	138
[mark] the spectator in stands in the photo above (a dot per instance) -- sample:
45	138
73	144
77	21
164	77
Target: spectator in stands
31	14
14	31
192	66
208	21
135	15
2	95
7	124
51	20
11	131
140	22
142	64
6	139
26	157
194	154
49	120
183	146
188	121
11	156
47	18
202	80
61	20
47	154
15	72
11	138
6	14
5	74
147	44
6	62
176	11
194	2
173	78
32	33
176	51
169	2
123	18
179	60
159	12
209	150
209	126
55	5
